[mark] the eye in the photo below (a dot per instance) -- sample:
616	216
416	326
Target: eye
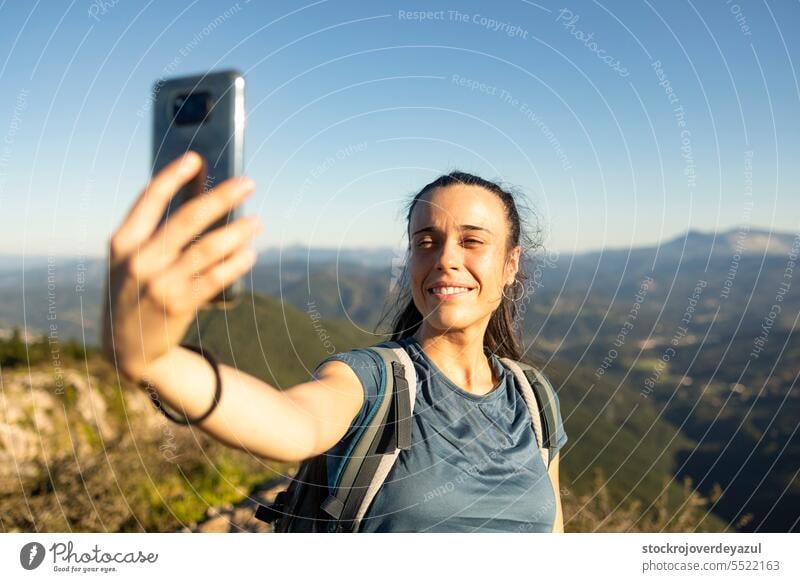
423	242
473	240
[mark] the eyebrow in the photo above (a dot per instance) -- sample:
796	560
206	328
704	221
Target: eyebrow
462	227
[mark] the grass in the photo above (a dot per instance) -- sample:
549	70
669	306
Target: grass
185	496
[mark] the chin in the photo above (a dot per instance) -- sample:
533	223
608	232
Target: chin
445	323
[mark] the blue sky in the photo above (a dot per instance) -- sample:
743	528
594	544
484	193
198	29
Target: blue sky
353	106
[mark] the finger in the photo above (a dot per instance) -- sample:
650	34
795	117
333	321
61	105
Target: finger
216	245
146	213
178	281
194	217
215	279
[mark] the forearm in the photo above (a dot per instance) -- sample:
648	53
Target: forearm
553	470
558	525
251	414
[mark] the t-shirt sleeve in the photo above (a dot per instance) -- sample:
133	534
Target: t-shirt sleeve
367	367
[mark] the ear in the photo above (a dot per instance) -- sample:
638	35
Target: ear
512	265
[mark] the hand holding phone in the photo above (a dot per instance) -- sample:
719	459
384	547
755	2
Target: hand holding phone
161	272
205	114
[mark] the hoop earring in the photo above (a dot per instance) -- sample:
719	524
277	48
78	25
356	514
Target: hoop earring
517	298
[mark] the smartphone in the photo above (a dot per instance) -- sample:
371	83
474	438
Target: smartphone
204	113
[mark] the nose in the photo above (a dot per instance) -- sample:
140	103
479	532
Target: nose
449	256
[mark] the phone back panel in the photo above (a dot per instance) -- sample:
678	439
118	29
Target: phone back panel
203	113
218	137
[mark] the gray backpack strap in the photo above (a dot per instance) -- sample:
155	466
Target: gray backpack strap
387	431
394	358
543	405
529	396
345	497
546	395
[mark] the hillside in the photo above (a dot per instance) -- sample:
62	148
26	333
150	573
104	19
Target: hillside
81	449
87	452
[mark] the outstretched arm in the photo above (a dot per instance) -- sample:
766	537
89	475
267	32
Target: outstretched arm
284	425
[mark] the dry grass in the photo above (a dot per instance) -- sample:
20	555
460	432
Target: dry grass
676	509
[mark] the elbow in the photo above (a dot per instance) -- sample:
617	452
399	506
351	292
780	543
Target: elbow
296	444
280	453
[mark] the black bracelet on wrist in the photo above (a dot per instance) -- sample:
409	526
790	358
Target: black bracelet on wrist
217	394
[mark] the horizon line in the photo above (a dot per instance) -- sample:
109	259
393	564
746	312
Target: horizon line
300	245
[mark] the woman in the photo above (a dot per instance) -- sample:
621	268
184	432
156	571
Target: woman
473	465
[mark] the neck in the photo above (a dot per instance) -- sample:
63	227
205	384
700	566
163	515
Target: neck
460	355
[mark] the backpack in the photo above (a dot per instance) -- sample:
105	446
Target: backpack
318	501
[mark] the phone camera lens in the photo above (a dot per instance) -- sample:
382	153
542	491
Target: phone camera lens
192	108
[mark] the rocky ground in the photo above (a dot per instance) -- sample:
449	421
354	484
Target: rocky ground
81	452
239	518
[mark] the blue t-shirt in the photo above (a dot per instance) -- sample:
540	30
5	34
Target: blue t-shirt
473	464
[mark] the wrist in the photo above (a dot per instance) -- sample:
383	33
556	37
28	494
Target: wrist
178	367
151	372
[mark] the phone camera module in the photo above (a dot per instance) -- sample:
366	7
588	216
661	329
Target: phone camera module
191	108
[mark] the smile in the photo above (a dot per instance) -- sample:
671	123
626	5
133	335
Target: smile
445	293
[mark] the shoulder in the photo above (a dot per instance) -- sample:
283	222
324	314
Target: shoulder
359	359
367	367
364	361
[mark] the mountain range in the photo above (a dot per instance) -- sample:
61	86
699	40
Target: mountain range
685	330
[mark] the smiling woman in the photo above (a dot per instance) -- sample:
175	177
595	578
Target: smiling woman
473	463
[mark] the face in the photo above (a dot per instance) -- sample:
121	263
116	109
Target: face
459	235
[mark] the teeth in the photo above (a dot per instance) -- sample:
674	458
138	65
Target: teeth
449	290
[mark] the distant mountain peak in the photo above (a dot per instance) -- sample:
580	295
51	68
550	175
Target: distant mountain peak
740	239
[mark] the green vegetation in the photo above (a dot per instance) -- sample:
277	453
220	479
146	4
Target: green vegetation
15	352
273	341
184	494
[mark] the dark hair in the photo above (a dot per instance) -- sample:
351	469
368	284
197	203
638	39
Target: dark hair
501	336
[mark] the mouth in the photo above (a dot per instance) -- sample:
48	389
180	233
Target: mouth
447	293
